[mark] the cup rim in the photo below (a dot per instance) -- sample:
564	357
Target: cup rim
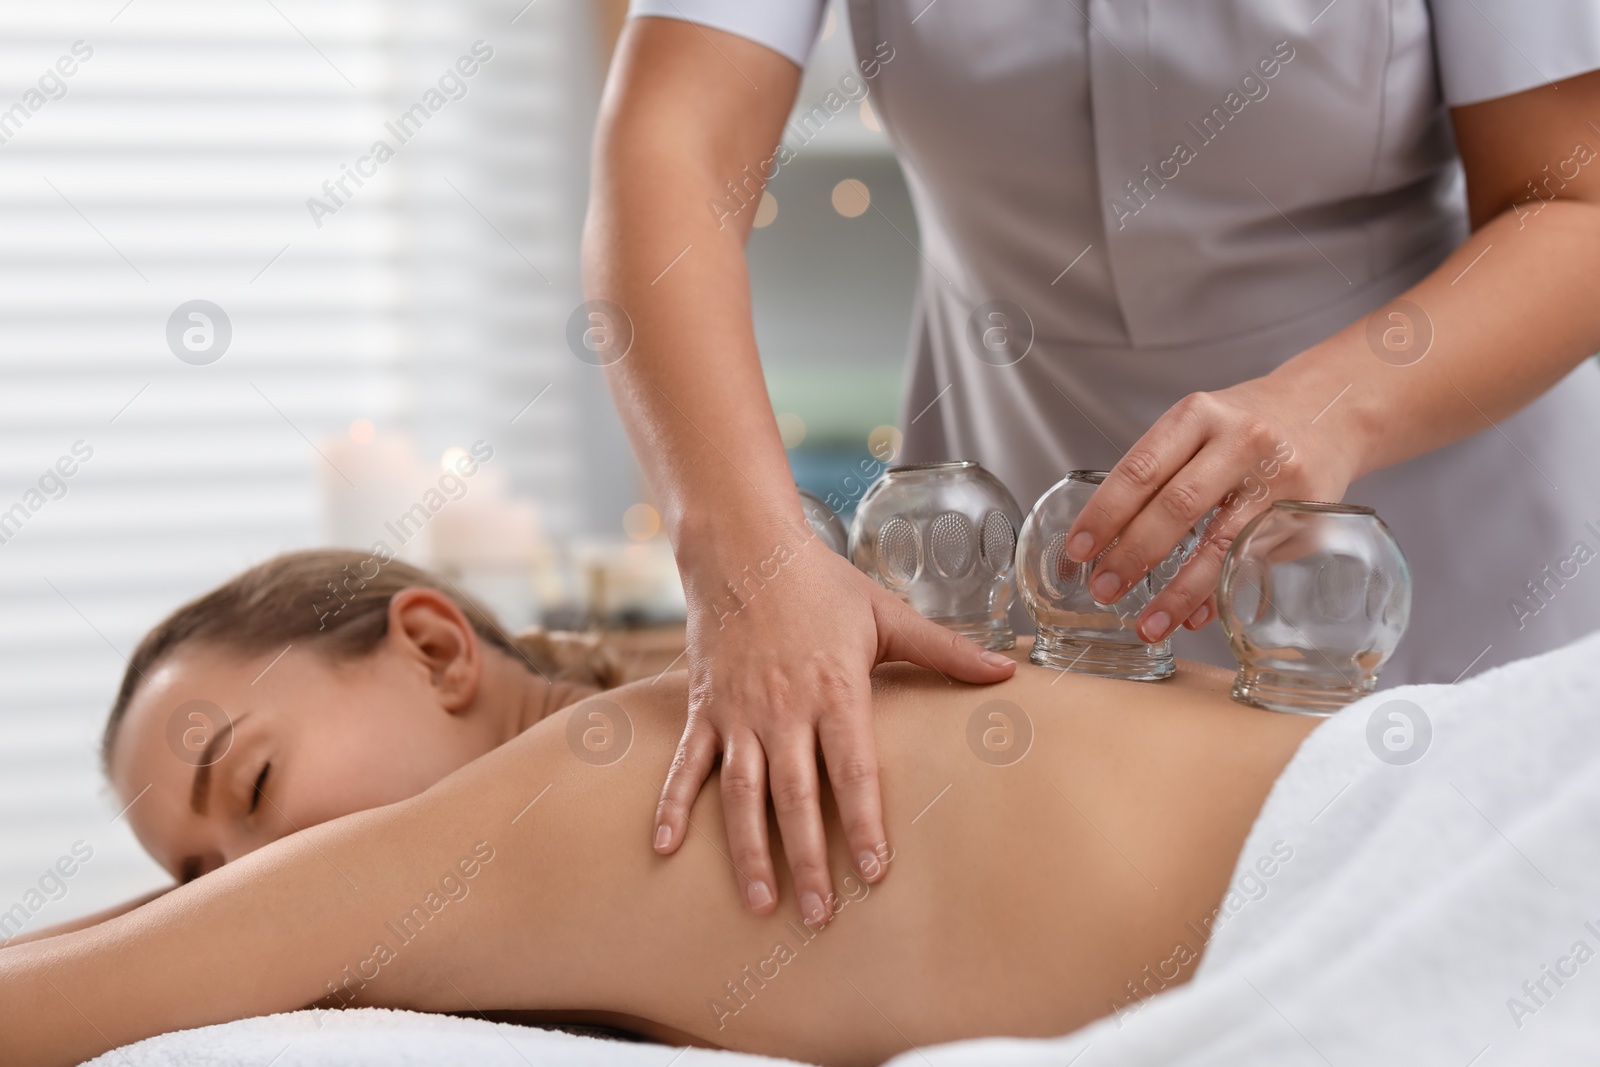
1093	477
1323	507
948	464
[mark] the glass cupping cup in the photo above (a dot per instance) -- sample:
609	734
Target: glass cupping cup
1314	598
824	522
941	537
1074	631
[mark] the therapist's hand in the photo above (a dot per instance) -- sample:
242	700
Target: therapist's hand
1236	450
786	667
774	674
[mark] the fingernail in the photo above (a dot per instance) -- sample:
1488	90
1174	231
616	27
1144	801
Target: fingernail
1201	616
1155	626
1104	588
811	907
758	895
663	836
868	864
993	659
1079	546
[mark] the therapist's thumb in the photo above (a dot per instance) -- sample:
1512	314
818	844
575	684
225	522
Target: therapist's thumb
905	635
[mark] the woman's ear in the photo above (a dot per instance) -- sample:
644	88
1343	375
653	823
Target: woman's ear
429	629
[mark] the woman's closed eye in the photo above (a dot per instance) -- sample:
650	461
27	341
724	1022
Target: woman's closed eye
261	781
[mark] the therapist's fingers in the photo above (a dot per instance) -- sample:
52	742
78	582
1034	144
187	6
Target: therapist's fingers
691	766
905	635
744	810
850	752
1167	521
1195	584
1177	436
1202	615
796	799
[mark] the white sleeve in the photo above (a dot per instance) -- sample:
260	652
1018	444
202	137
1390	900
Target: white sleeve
788	27
1490	48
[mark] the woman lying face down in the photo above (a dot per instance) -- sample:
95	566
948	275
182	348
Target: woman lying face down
253	713
1058	844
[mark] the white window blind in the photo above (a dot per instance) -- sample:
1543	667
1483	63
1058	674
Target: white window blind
174	164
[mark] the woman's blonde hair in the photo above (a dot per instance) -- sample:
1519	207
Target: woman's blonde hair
325	598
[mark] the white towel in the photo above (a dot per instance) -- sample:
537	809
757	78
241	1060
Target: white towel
379	1037
1442	912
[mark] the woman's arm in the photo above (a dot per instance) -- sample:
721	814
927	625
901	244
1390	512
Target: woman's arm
419	904
85	921
1509	313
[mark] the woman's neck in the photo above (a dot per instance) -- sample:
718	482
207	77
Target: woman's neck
538	697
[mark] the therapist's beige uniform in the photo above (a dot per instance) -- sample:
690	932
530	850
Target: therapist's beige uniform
1171	219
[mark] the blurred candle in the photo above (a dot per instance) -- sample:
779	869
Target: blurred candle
368	480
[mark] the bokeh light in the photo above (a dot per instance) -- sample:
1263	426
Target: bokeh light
766	211
641	522
450	462
885	442
851	198
362	431
792	428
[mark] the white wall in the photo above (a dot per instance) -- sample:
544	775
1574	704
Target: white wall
177	166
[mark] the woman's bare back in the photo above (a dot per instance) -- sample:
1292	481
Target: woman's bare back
1053	836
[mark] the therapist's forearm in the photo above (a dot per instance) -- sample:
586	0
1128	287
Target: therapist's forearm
691	391
1512	312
